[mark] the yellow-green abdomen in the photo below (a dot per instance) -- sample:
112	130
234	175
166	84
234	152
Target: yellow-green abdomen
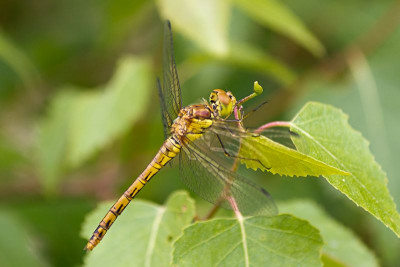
168	151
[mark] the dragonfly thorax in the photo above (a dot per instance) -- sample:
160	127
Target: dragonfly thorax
192	121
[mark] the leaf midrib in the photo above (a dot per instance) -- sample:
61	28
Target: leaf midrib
153	236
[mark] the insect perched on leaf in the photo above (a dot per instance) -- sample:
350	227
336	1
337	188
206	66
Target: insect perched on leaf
207	143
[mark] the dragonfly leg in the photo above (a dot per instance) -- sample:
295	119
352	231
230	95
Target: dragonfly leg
226	153
254	110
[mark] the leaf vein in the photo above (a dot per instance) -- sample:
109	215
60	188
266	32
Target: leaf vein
153	236
206	240
272	250
337	160
228	253
281	231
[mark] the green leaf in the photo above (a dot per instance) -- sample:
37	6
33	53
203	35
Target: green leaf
16	246
80	123
340	244
205	22
97	118
327	136
246	55
280	159
142	235
250	57
255	241
52	140
10	158
275	15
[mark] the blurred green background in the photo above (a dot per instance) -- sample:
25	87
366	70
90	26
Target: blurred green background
79	111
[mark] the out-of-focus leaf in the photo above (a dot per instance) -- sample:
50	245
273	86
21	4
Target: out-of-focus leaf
280	159
79	124
143	234
341	245
246	55
18	62
327	136
57	221
9	157
255	241
120	16
98	118
205	22
275	15
16	248
369	96
52	140
250	57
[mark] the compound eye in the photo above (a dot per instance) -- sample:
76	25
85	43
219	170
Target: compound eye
232	98
224	98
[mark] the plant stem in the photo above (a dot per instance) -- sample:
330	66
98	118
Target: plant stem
273	124
238	114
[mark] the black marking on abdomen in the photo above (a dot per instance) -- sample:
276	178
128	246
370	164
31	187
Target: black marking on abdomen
113	212
176	143
120	209
155	166
147	175
100	234
133	192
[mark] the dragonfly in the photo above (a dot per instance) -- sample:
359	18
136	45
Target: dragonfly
207	143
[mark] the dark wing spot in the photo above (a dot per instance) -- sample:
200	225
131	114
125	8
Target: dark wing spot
265	192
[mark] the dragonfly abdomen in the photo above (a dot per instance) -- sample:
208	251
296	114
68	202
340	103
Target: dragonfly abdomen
168	151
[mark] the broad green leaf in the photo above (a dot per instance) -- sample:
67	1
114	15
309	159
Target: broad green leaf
205	22
255	241
275	15
52	140
16	246
80	123
280	159
142	235
327	136
98	117
340	244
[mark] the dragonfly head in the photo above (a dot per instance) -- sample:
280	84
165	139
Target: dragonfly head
222	103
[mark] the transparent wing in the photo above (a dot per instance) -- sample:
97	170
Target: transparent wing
170	92
208	175
165	117
231	133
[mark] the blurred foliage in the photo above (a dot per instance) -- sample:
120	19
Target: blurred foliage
338	240
147	246
75	123
95	118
